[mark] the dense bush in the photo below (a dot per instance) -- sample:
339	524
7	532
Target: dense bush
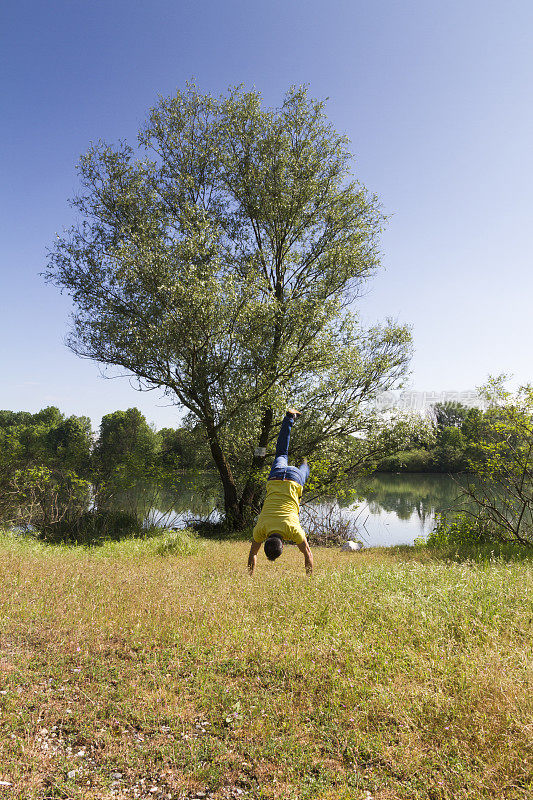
409	461
502	462
466	538
59	506
42	499
464	529
56	481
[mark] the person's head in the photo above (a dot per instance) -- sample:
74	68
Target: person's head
273	547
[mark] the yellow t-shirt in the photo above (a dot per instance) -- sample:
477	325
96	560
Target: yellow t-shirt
280	512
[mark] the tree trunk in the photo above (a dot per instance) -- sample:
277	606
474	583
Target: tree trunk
253	490
234	517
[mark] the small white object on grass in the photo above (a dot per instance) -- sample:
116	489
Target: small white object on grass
351	547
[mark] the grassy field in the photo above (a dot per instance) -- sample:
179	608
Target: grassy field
130	672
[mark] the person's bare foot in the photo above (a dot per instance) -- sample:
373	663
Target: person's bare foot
294	413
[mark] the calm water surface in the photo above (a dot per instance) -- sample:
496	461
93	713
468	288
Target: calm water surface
389	509
397	509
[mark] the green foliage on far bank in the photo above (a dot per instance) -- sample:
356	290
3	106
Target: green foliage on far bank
45	439
443	442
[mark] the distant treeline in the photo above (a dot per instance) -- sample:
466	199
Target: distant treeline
125	441
445	442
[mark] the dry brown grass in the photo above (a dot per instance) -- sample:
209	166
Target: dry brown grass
380	677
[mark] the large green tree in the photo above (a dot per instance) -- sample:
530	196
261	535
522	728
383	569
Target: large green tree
45	464
46	438
125	441
220	261
450	414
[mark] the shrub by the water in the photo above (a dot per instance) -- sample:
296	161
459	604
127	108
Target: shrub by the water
460	530
473	537
409	461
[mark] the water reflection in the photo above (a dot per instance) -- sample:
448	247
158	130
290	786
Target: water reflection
388	509
406	494
174	502
397	509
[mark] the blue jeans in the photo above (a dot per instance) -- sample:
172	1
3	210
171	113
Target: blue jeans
280	470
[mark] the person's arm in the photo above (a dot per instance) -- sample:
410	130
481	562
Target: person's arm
252	558
308	556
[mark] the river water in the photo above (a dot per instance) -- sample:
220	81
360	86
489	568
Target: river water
387	509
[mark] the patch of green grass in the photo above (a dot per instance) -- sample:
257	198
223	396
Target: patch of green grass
389	674
155	541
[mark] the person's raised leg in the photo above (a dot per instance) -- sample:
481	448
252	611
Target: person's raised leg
282	445
281	459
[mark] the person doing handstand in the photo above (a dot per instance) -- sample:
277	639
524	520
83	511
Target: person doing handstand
279	520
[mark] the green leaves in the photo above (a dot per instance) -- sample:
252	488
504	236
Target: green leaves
500	455
219	264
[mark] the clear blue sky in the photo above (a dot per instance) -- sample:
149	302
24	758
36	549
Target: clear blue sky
436	96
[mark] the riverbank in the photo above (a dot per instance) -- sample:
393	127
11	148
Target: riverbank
127	673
